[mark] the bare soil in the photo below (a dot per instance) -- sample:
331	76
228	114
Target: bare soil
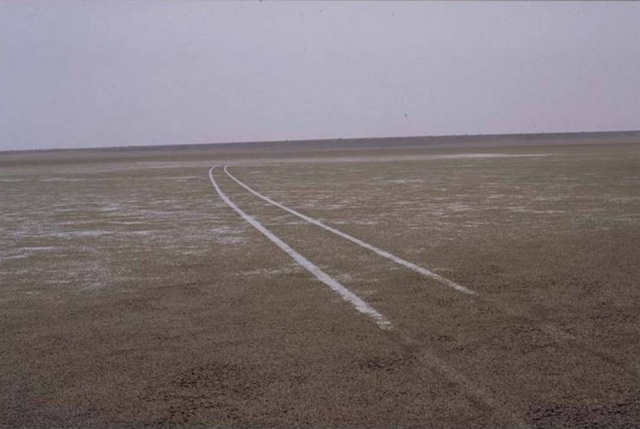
132	296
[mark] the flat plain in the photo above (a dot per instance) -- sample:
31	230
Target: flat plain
133	295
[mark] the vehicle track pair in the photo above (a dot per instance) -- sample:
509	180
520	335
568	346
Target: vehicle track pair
477	394
557	334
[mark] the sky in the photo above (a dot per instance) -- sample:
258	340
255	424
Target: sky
122	73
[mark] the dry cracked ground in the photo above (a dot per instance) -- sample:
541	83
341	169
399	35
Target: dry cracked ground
131	295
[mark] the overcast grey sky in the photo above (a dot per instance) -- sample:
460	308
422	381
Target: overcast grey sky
84	74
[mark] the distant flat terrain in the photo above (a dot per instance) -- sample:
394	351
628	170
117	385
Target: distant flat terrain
396	283
292	149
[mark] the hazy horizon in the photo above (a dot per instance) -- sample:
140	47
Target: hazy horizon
102	74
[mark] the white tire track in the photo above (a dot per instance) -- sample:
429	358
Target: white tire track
433	361
358	303
475	392
554	332
377	250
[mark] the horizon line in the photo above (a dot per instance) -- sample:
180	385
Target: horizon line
315	140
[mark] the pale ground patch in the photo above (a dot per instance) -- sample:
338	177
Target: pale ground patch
83	220
61	179
403	181
355	222
272	272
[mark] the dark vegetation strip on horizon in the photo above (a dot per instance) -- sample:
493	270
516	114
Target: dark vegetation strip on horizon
353	143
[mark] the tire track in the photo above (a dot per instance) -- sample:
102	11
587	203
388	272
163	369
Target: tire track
478	395
555	333
363	244
358	303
